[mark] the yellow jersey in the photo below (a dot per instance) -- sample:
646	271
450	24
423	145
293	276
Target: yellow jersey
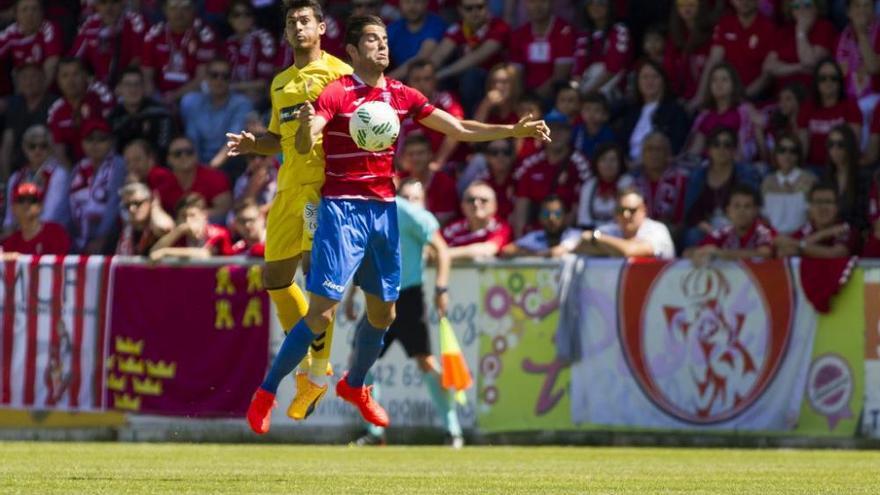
288	92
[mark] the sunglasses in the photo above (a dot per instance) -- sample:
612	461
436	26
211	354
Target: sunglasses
365	5
37	146
782	150
823	202
836	143
548	214
498	152
136	203
472	200
241	13
622	210
32	200
473	8
723	144
828	78
220	76
182	152
801	4
97	138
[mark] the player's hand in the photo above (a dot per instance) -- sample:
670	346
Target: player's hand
441	303
240	144
528	128
305	113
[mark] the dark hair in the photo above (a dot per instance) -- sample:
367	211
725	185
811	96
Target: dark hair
239	3
799	150
588	21
180	136
356	25
419	64
841	87
716	132
316	7
659	70
416	138
131	70
72	61
738	91
551	198
741	189
822	186
191	200
597	98
561	86
604	148
699	36
779	121
851	148
821	9
243	204
145	145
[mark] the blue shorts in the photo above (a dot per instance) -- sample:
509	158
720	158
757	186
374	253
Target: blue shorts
355	238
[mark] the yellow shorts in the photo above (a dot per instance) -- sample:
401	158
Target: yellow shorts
292	220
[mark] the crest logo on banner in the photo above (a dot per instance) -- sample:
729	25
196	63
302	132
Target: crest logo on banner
704	343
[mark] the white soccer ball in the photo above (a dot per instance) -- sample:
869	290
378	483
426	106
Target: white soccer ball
374	126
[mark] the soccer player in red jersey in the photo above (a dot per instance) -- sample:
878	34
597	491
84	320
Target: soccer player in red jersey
357	234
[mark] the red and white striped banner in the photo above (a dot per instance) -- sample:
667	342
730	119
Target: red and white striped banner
52	332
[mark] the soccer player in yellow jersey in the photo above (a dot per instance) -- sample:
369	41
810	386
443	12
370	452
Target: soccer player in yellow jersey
292	218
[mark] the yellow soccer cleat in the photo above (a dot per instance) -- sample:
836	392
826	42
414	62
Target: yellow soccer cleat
307	397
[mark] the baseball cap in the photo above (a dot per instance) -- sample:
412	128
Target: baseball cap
27	190
94	125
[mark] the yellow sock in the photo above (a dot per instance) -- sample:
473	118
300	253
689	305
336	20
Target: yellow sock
291	304
320	354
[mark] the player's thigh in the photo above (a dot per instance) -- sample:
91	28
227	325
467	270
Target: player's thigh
284	226
380	313
307	202
339	244
379	273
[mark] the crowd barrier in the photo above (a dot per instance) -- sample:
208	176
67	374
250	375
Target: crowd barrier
655	346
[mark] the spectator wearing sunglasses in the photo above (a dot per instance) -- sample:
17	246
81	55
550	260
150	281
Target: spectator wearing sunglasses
480	234
745	237
843	172
251	51
34	236
30	106
191	177
829	107
662	184
631	235
94	190
824	234
495	167
441	197
597	198
803	40
785	191
143	220
207	117
553	240
42	169
709	187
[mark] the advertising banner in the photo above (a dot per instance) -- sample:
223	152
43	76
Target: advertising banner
187	341
52	335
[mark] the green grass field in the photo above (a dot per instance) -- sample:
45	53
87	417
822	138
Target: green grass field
119	468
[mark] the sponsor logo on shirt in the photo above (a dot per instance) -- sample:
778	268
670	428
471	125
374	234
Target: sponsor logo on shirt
288	114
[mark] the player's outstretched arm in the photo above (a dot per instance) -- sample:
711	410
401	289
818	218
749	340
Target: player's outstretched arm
473	131
245	143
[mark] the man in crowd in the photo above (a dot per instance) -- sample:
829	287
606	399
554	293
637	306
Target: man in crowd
33	235
249	226
414	36
745	237
110	40
138	116
824	235
193	236
553	240
480	234
143	221
441	195
632	235
211	184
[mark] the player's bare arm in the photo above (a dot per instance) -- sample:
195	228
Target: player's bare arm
473	131
245	142
310	127
441	281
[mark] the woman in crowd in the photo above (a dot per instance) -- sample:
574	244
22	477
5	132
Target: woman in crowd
603	52
785	190
502	94
687	46
804	39
843	171
251	52
598	197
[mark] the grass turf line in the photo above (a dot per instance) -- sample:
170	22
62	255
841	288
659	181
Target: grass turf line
121	468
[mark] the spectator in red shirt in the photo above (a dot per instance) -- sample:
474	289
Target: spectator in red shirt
687	47
250	227
110	40
34	236
502	96
824	235
193	236
828	108
543	49
176	51
137	116
725	106
843	172
480	234
872	150
191	177
251	51
143	220
782	117
258	183
603	53
743	39
30	106
479	40
746	237
497	171
79	102
422	76
141	165
663	186
441	197
804	40
31	39
857	50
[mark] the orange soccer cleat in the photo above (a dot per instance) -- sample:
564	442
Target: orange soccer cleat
259	413
362	399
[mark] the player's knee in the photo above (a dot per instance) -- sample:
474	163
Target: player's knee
382	317
279	274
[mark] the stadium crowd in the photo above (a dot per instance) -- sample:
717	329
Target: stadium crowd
707	128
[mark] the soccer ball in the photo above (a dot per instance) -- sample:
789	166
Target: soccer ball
374	126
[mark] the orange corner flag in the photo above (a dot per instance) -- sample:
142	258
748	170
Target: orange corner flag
455	374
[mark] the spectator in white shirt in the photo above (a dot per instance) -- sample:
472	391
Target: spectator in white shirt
632	235
785	191
553	240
